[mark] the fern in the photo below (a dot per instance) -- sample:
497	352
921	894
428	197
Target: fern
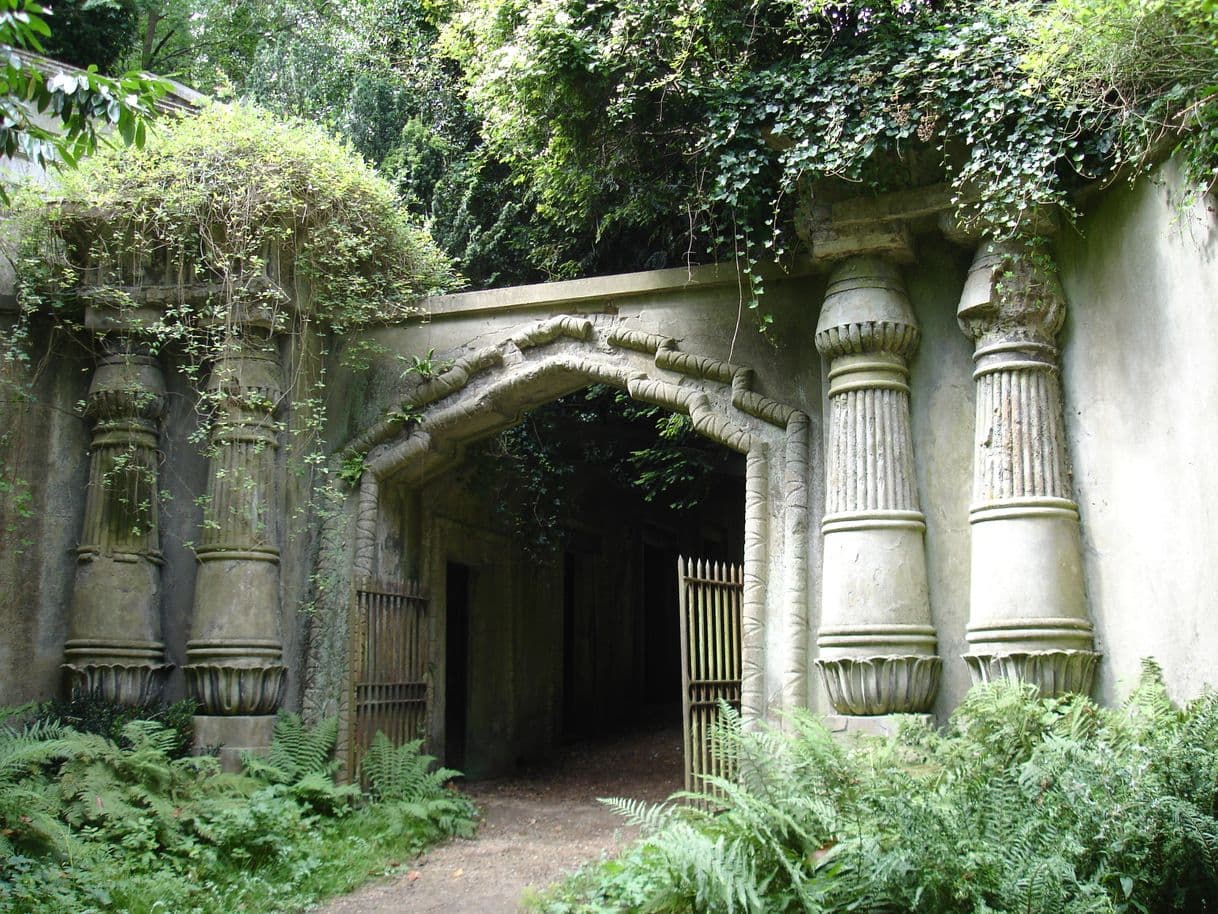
647	817
410	793
1021	805
402	772
297	751
301	760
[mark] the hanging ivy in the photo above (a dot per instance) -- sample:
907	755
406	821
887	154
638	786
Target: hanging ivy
223	216
644	453
620	110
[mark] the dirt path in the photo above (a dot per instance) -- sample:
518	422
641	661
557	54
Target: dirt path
536	828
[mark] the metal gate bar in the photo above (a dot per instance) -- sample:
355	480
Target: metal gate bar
711	594
389	690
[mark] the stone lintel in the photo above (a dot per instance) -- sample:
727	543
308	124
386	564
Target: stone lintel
898	206
885	224
597	294
890	240
1039	222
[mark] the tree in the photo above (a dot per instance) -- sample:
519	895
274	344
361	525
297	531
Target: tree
54	118
92	32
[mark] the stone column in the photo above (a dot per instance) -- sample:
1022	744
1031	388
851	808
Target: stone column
1028	614
876	641
114	646
234	658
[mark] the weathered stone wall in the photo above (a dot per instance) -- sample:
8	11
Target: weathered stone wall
43	458
1139	389
48	446
1140	371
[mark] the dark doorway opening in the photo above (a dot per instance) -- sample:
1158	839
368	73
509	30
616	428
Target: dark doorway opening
661	631
563	626
456	680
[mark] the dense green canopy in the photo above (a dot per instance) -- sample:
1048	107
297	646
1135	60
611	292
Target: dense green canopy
561	137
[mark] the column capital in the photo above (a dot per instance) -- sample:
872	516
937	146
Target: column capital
866	310
1012	295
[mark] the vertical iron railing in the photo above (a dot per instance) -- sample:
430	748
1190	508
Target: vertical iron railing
389	687
710	603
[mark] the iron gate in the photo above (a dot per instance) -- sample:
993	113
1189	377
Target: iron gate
389	687
710	602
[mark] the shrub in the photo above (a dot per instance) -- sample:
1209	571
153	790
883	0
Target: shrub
1023	805
88	823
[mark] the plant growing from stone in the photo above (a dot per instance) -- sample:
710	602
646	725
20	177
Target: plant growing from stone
227	216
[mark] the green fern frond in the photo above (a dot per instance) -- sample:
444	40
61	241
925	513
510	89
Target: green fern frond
401	772
296	751
647	817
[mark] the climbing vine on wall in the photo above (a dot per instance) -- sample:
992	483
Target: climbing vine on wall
227	218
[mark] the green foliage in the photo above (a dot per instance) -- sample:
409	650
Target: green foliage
1022	805
642	451
221	193
630	112
412	801
92	32
81	106
95	714
1146	69
88	823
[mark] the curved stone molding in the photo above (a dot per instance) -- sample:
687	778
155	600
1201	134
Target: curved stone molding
745	399
639	340
122	683
1052	672
881	685
114	644
235	646
577	328
875	598
672	359
236	690
456	377
753	600
795	512
1027	598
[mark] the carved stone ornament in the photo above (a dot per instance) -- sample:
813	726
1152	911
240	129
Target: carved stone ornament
114	644
1052	672
235	652
233	690
1028	614
122	683
876	641
881	685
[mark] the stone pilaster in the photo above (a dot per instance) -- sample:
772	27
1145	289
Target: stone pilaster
234	658
1028	614
114	646
876	641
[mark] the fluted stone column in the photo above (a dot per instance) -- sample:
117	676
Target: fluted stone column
1028	614
114	646
234	658
876	641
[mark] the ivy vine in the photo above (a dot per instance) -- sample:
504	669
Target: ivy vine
618	111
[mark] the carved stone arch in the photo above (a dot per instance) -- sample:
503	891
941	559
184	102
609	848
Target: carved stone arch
491	388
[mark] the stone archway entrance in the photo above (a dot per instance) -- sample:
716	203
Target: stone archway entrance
490	388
